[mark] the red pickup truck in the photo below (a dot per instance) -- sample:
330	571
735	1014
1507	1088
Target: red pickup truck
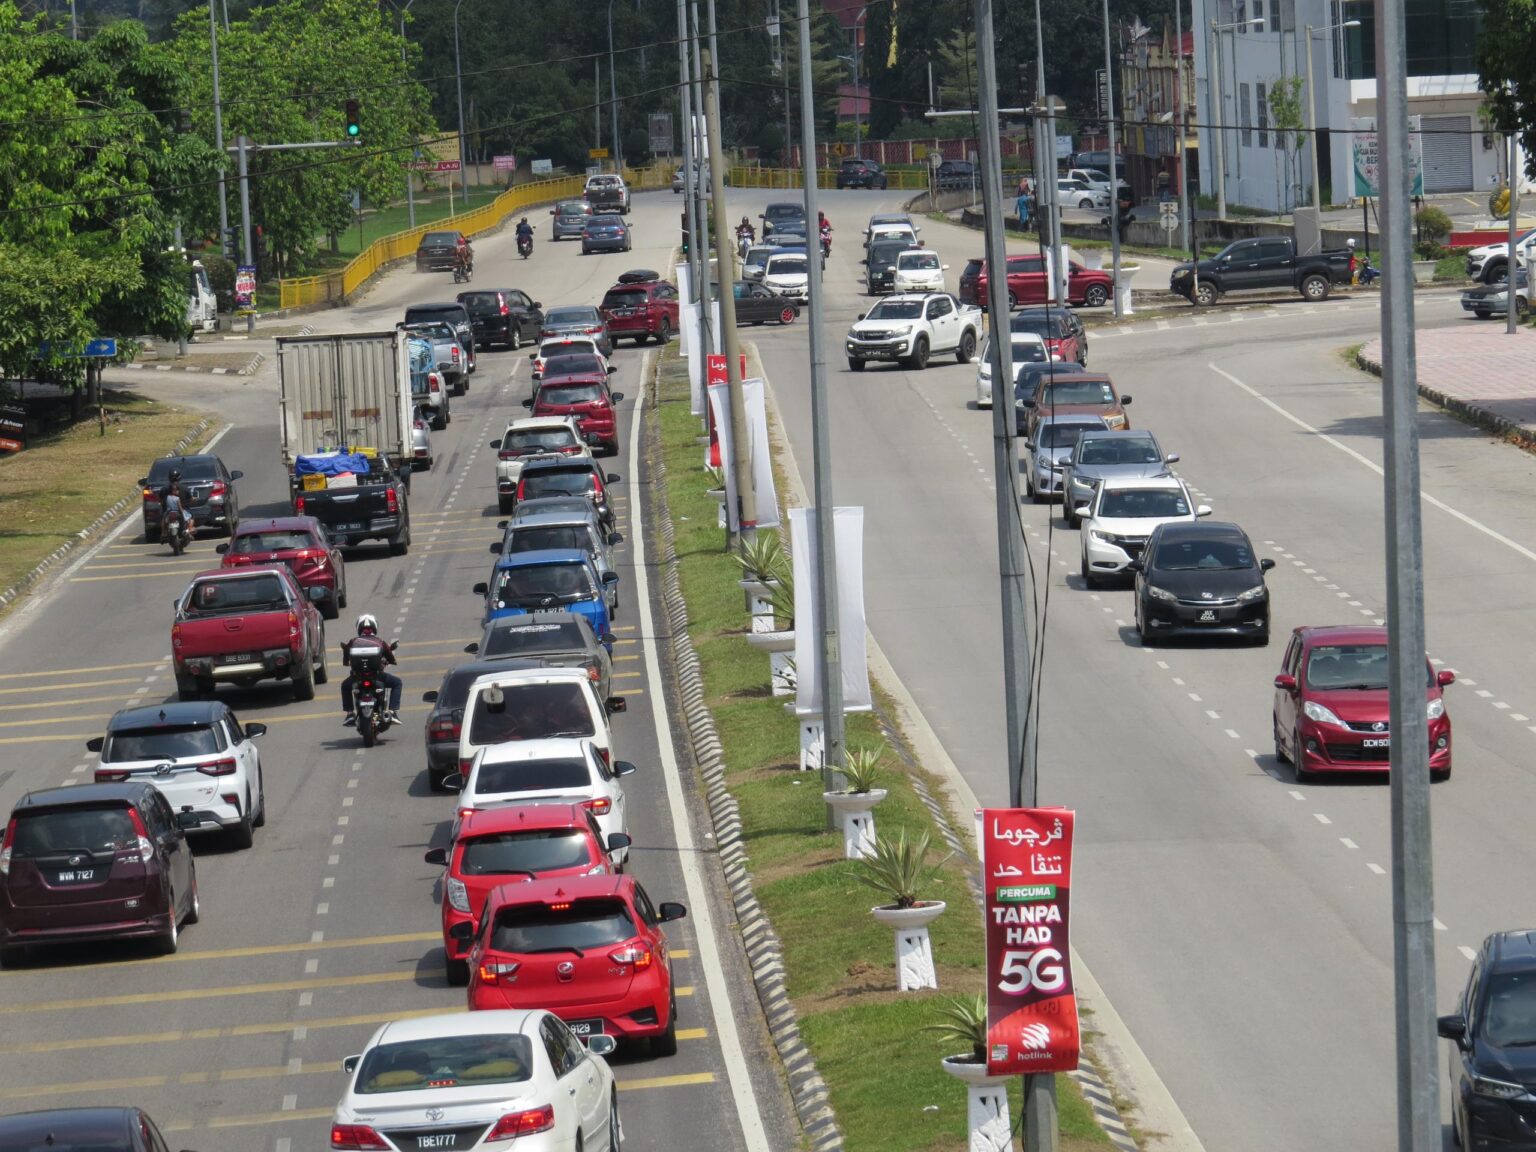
244	625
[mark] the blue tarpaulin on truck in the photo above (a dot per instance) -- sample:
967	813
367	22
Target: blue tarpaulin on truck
331	464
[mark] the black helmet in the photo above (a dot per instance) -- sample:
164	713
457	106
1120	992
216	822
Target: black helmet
175	475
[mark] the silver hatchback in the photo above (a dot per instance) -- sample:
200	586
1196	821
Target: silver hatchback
570	218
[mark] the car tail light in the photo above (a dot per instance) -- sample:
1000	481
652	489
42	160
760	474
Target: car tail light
458	895
175	635
455	353
571	450
231	798
607	756
505	311
524	1123
599	807
391	501
5	848
465	764
109	776
434	382
509	454
151	496
465	813
293	628
420	423
594	673
593	331
218	488
441	730
224	767
146	846
298	505
634	954
357	1136
489	974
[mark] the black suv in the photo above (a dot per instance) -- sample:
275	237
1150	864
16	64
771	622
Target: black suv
1493	1066
880	266
207	493
439	251
955	174
856	172
454	313
502	316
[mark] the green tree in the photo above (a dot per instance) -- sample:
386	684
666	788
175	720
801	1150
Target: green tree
1506	66
1285	120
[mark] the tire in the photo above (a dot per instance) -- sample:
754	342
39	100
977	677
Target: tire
1095	296
1089	580
13	957
1496	274
503	505
1315	287
787	315
456	972
304	688
615	1129
260	819
401	544
666	1043
240	836
517	337
1482	313
166	945
1302	775
341	597
1522	307
195	912
330	609
1280	752
919	358
186	687
1013	301
855	365
439	421
368	730
1086	204
664	333
884	183
322	672
1204	295
967	347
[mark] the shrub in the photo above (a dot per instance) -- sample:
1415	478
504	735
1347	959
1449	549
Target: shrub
1431	227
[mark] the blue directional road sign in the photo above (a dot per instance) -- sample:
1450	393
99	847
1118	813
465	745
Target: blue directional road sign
103	347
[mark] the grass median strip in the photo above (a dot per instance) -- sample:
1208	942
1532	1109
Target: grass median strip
882	1071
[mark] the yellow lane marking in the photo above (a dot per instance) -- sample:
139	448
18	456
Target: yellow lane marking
651	1082
252	950
55	738
75	684
78	671
36	721
70	703
684	990
624	659
629	675
179	1037
251	1121
185	994
628	628
460	640
167	567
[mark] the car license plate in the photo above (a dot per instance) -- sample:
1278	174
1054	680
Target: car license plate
585	1028
351	526
1381	742
237	658
1208	616
77	876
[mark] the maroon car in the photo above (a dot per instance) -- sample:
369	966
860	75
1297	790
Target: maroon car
1027	283
299	542
641	306
586	398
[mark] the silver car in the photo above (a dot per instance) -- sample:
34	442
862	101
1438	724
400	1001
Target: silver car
1114	454
1055	437
421	439
570	217
756	262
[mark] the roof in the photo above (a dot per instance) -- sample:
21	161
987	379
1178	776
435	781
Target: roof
560	888
83	794
484	821
277	524
1075	418
534	422
911	297
178	713
242	573
542	556
550	502
1121	433
1202	528
1090	377
494	1022
561	464
1344	634
1163	483
517	751
570	519
1511	949
72	1125
891	218
519	623
1041	310
435	306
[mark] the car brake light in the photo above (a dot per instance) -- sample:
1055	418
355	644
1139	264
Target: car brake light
465	813
298	505
633	954
455	353
443	730
594	331
5	848
505	311
489	974
391	501
594	673
458	895
607	756
108	776
225	767
357	1136
598	807
293	628
508	454
146	846
464	766
218	488
151	496
523	1123
175	635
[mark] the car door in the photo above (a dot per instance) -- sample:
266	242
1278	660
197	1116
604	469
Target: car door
943	321
1285	702
590	1087
1240	268
176	857
250	760
1275	264
1026	279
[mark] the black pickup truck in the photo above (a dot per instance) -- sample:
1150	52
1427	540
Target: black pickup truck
1266	262
377	508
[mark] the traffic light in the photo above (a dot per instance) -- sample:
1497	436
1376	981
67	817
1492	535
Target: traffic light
354	129
232	243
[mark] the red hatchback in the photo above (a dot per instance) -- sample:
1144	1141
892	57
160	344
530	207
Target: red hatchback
299	542
590	949
588	400
1331	712
642	306
1027	284
524	841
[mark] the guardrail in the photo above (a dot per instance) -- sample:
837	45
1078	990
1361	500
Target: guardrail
754	177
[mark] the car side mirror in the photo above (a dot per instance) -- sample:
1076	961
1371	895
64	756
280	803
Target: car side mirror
943	267
349	1065
436	856
616	704
496	548
611	478
254	730
236	475
1026	402
143	481
610	577
617	841
1266	564
1135	566
612	369
1081	510
623	768
1124	400
601	1044
502	524
1445	678
671	910
617	396
1171	458
975	359
454	782
481	589
615	538
1453	1027
221	548
861	315
1202	510
463	932
430	695
496	443
1285	682
1067	459
533	355
608	638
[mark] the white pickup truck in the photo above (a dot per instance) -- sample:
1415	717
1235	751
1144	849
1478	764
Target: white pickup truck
910	328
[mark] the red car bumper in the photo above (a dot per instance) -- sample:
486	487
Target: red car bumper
645	1011
1325	748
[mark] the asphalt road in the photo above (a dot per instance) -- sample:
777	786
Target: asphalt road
1240	924
329	926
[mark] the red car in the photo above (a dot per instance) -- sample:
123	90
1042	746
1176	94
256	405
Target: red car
527	841
1027	284
241	625
641	306
299	542
1331	712
586	398
590	949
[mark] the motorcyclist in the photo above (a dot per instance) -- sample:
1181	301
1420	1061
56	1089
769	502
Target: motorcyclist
367	640
173	514
824	227
745	230
524	232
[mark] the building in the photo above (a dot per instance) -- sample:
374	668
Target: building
1147	92
1257	46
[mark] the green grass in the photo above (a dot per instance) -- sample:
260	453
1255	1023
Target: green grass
430	207
881	1069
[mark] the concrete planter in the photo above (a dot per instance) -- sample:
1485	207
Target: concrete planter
759	602
1424	271
780	647
856	817
914	950
989	1128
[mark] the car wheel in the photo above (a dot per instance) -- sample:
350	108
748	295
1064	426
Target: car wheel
1141	631
615	1128
1315	287
186	687
1280	752
1496	274
1522	307
1303	776
439	421
517	337
787	315
13	956
168	941
884	183
341	597
664	333
330	609
1095	296
1089	580
1204	295
322	672
401	544
260	819
304	686
585	251
919	358
1086	203
241	836
855	365
1013	301
666	1043
1482	313
195	910
503	505
456	972
967	347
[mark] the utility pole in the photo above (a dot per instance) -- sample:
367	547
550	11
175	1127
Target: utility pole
1058	267
1512	317
613	95
218	126
710	338
698	290
1413	902
1216	110
1181	115
458	77
741	439
1114	167
245	222
1040	1123
829	653
410	180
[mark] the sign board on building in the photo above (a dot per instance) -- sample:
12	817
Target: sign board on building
435	165
443	148
13	427
102	347
504	163
659	129
245	287
1103	78
1063	147
1365	159
541	167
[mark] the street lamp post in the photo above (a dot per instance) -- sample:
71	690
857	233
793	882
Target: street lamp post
1114	167
1317	182
218	125
458	76
405	58
858	51
1181	116
613	97
1216	98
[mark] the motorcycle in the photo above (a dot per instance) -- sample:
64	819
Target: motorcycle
176	531
1367	273
826	244
525	246
743	242
369	692
462	271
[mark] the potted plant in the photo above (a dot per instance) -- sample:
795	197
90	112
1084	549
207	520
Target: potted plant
768	579
854	803
1431	227
900	870
963	1021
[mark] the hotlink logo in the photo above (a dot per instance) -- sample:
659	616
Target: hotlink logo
1035	1037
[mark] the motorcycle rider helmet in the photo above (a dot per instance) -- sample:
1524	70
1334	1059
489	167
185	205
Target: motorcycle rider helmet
174	477
367	625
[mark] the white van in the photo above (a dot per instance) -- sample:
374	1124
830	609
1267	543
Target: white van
535	704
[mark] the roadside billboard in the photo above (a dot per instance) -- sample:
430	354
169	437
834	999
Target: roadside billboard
1365	159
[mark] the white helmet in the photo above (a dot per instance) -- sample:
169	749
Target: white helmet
367	625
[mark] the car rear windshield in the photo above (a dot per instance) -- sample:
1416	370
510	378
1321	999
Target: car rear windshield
532	776
82	830
533	640
434	239
160	470
287	540
571	316
557	484
537	850
1138	503
532	712
541	586
538	440
1076	392
1049	328
572	208
552	348
572	363
571	394
1119	450
424	313
625	298
559	536
232	597
1062	435
1344	666
1193	555
164	743
446	1062
581	924
437	329
480	303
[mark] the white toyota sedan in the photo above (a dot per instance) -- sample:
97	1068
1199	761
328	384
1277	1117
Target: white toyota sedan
478	1080
1121	517
1028	348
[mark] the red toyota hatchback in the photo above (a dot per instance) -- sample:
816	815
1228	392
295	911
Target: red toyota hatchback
589	401
590	949
1331	712
523	841
299	542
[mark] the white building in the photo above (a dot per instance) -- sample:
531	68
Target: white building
1257	45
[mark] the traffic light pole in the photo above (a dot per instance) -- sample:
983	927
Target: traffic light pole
218	125
245	224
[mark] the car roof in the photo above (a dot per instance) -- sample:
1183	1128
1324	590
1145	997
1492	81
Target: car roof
550	520
1513	949
1090	377
436	306
277	524
82	795
1041	310
487	821
533	423
550	502
1125	434
1202	529
561	888
562	464
474	669
520	623
1130	483
1075	418
1342	634
242	573
540	557
912	297
516	751
510	677
494	1022
175	714
68	1126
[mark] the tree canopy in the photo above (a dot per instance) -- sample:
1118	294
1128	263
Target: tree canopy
1506	65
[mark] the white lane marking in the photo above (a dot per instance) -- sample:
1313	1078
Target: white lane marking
1321	819
311	966
316	937
1467	952
322	909
1491	533
1176	679
306	999
1347	842
1195	696
328	882
742	1090
1439	927
1501	706
290	1102
1295	795
1467	682
1377	868
1163	664
332	860
300	1032
1213	714
1233	734
1483	693
1517	717
337	839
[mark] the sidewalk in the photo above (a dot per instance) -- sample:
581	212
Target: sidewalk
1479	372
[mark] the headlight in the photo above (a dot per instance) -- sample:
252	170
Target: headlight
1252	594
1159	593
1497	1089
1079	482
1106	537
1436	709
1321	715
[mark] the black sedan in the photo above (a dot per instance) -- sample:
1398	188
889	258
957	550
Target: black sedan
439	251
756	305
447	715
111	1129
207	490
858	173
502	316
555	639
1201	579
1493	1066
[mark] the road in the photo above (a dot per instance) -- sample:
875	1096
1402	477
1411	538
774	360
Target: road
329	926
1240	924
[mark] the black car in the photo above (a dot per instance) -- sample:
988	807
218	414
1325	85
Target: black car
439	251
502	316
1493	1066
756	305
880	265
447	714
454	313
207	492
954	175
779	213
1201	579
72	1129
555	639
855	172
581	320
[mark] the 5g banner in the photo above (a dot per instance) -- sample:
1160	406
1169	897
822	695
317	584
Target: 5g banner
1026	859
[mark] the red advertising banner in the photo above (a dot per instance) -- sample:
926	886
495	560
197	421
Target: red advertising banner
1026	860
715	373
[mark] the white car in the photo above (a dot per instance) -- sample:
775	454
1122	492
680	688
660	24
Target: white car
918	271
909	329
1490	262
882	233
465	1081
1028	348
788	274
1121	517
1076	194
1095	178
530	439
197	755
564	346
524	704
563	771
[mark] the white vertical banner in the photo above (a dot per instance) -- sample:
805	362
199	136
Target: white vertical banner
684	287
762	460
693	338
848	538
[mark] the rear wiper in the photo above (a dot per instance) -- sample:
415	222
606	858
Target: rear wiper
564	948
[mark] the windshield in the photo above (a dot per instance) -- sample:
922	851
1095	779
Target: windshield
625	298
446	1062
757	257
531	776
925	260
539	585
236	597
248	542
536	484
896	310
884	255
1139	503
538	850
1363	666
73	830
531	712
538	539
160	470
1062	435
572	208
1076	392
1194	555
572	364
1052	329
165	743
788	266
571	394
577	926
440	238
781	212
538	440
1119	450
532	640
557	316
1510	1017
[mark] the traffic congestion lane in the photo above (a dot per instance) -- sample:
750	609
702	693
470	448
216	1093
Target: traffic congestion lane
368	875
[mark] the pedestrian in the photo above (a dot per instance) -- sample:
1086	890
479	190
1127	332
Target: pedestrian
1021	206
1164	185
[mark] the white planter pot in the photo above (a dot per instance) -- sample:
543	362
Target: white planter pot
988	1124
720	518
914	950
780	647
1423	271
856	817
759	604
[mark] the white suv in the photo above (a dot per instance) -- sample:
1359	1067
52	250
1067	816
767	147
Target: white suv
532	439
197	755
1122	515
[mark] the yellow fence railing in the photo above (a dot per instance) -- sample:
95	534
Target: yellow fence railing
754	177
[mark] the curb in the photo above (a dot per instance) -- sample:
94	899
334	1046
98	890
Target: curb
1503	426
14	592
248	370
807	1089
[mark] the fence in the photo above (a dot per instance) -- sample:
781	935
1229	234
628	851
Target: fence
825	178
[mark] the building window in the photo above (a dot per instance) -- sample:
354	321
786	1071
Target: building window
1263	108
1258	14
1442	37
1244	120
